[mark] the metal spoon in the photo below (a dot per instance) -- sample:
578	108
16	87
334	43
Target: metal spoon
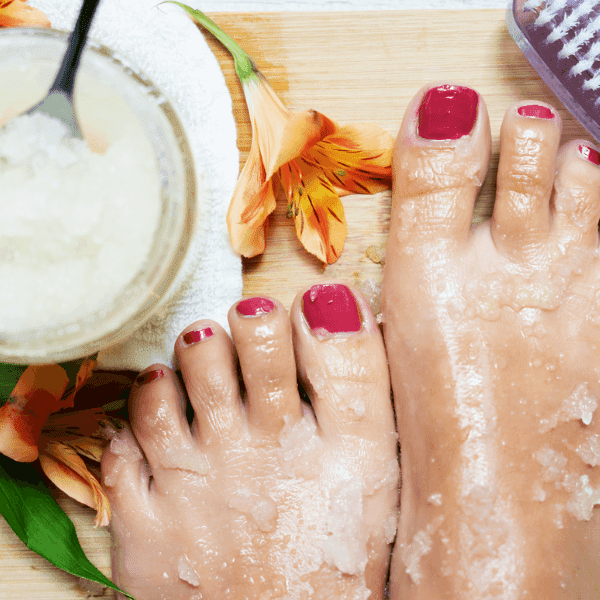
58	103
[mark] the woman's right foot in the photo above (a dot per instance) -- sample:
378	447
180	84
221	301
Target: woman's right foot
493	338
266	496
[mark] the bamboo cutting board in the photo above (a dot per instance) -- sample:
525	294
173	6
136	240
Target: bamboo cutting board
353	67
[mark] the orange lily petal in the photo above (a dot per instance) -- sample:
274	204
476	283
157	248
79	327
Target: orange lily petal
84	373
357	159
16	13
302	131
65	468
268	117
251	190
74	425
318	214
36	395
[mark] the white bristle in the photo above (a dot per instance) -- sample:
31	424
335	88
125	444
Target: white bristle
593	83
549	12
584	36
570	21
588	60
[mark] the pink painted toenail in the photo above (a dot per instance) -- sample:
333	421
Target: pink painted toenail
332	308
149	376
193	337
254	307
590	154
536	110
447	112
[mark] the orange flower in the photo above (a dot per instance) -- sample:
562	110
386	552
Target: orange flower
17	13
29	431
308	156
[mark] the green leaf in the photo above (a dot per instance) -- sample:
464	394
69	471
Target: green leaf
34	515
9	375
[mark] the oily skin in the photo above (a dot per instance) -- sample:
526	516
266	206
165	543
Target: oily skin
182	496
493	336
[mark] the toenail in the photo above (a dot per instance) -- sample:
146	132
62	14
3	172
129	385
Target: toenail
193	337
536	110
447	112
149	376
254	307
331	308
590	154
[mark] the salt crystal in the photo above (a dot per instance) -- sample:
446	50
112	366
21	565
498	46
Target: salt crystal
262	509
187	572
390	526
123	445
581	404
67	222
420	546
553	463
346	546
583	499
539	494
589	450
435	499
186	459
301	449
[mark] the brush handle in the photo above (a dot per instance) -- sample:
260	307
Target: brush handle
65	78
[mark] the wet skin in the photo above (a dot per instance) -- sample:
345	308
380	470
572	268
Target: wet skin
264	496
493	336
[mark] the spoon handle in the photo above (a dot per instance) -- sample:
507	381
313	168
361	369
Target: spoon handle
65	78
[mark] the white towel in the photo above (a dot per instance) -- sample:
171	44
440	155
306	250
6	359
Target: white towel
166	45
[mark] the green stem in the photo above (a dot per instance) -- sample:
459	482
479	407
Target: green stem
244	65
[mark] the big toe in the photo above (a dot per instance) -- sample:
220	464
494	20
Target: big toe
440	160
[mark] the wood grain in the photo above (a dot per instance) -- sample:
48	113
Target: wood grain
354	67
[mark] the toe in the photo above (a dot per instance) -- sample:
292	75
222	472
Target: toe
262	335
529	141
207	361
125	473
342	361
577	194
157	414
440	160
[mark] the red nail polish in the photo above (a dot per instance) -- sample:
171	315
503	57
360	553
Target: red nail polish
447	112
149	376
590	154
253	307
193	337
332	308
536	110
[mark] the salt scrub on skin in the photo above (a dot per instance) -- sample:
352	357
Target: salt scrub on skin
76	226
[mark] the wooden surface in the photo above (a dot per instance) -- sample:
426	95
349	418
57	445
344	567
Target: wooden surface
354	67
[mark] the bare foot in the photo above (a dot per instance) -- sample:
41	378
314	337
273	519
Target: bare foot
493	336
263	497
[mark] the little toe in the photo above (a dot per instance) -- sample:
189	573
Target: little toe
576	206
261	332
207	360
157	414
125	472
529	140
441	157
342	362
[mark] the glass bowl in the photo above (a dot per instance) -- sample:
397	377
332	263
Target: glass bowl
110	96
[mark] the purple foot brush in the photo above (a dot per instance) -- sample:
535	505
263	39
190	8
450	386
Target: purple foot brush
561	39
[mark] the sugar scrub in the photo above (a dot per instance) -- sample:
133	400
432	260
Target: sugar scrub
76	225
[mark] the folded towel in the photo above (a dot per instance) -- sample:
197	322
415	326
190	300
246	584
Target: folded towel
166	45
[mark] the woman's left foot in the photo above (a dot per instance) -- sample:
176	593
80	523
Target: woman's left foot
267	496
